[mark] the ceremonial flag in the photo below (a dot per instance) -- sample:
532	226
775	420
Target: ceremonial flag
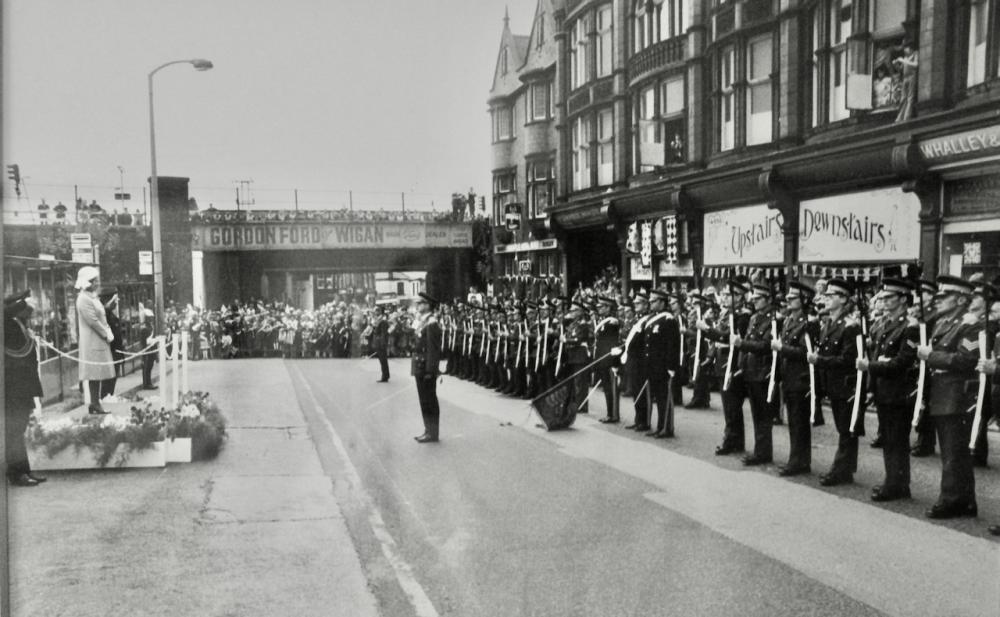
556	406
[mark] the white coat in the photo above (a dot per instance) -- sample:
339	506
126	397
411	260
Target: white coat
94	334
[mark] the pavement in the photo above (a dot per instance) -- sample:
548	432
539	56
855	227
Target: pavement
256	531
261	530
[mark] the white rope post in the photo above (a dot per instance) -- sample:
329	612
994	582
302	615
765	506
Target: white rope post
185	361
921	380
981	394
857	386
175	372
812	383
162	351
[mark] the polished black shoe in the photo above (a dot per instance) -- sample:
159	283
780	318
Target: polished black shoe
832	479
382	381
641	428
609	420
96	409
724	450
979	462
426	439
819	422
753	460
877	443
38	479
696	405
880	493
954	510
652	433
631	427
663	435
994	530
147	386
787	471
921	452
23	479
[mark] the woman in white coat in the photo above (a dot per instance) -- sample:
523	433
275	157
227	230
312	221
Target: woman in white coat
95	337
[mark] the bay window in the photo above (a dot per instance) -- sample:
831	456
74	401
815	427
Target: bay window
605	43
540	102
674	120
640	27
580	151
541	180
647	129
671	19
503	123
579	59
727	99
759	109
504	192
605	147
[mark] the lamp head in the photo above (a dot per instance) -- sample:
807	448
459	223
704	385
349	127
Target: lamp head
200	64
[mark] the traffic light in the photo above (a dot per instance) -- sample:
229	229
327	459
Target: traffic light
14	173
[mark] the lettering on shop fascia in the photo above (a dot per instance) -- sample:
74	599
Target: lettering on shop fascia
970	142
844	226
746	237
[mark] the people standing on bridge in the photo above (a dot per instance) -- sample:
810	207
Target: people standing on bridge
424	365
380	342
96	362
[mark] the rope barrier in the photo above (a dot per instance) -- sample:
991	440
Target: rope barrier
43	343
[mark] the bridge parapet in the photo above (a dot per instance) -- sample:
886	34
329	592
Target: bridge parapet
342	215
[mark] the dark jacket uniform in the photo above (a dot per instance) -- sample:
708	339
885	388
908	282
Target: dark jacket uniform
893	361
793	367
720	336
661	359
20	371
755	361
424	367
606	335
836	353
952	366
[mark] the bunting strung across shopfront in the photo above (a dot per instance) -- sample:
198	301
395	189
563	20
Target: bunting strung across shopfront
646	254
669	249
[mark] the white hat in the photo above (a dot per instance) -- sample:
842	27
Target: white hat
85	275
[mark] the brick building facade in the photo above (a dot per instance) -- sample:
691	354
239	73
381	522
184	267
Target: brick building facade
816	136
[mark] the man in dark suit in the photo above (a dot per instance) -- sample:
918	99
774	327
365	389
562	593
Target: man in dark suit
424	365
380	341
21	386
891	364
794	373
835	357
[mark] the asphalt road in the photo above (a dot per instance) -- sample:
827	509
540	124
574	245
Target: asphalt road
502	518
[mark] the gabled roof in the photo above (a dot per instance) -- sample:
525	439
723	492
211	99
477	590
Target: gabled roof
541	57
506	83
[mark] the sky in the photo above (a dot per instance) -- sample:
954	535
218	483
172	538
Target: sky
322	96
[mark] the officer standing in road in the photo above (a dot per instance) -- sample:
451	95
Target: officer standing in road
755	367
794	373
632	359
991	368
834	358
380	341
576	352
424	365
926	438
891	364
701	370
661	358
732	397
952	357
606	337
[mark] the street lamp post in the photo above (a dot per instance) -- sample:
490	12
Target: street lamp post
154	202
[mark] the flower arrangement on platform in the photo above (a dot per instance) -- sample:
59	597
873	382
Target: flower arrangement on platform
197	416
148	422
102	435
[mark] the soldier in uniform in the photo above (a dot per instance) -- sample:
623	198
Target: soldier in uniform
891	364
20	368
755	368
380	341
627	318
926	438
991	368
424	365
661	359
700	394
607	335
983	296
678	310
577	335
834	358
732	397
952	357
794	373
632	360
531	349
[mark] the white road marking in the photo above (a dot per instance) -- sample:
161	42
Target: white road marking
415	593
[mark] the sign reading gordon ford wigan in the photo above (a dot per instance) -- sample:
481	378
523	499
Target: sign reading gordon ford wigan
356	235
